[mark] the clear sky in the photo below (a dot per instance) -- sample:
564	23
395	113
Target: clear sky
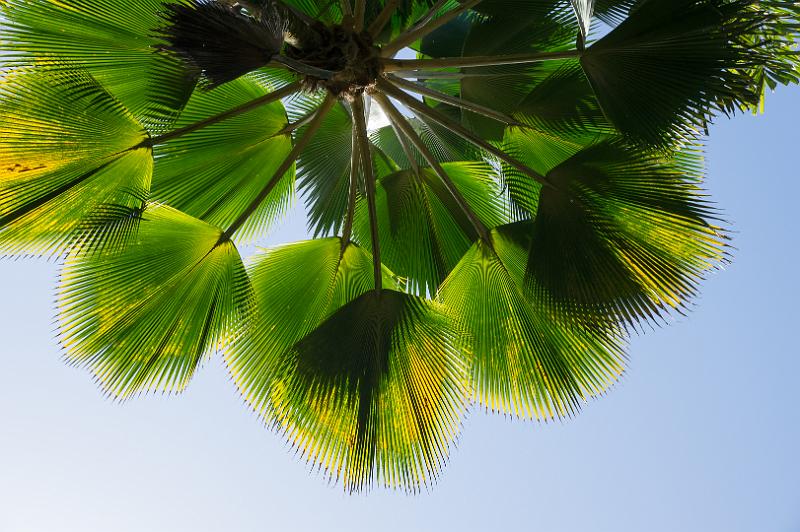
702	434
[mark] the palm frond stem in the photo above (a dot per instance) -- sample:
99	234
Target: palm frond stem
358	15
400	121
347	231
300	122
360	125
273	96
459	130
454	101
418	32
302	68
434	74
377	25
403	140
299	146
395	65
430	14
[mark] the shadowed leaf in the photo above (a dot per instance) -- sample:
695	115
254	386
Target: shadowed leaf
375	393
369	386
219	40
625	234
672	64
525	361
423	231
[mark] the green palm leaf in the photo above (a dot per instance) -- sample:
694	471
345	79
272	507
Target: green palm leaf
334	277
67	171
670	66
388	142
368	385
215	173
423	231
561	116
612	12
511	29
562	104
114	41
145	317
525	362
324	170
622	233
379	388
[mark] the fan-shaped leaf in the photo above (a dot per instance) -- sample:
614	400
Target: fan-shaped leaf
376	392
525	361
114	41
561	117
663	72
323	172
67	164
527	29
143	318
623	234
368	385
386	140
288	309
216	172
562	105
612	12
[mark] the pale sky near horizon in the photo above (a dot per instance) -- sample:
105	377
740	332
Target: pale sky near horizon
702	434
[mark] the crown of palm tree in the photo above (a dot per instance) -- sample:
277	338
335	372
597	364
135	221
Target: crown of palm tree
534	197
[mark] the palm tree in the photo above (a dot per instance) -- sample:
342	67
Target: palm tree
492	218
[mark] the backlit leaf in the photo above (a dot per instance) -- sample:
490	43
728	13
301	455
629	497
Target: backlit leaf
145	317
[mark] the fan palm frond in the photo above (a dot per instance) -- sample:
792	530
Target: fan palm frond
145	317
370	386
66	170
670	66
114	42
214	173
492	216
424	233
622	233
524	362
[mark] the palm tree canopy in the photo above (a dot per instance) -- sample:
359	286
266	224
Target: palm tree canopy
529	196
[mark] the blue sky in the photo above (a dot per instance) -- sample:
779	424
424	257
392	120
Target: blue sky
702	434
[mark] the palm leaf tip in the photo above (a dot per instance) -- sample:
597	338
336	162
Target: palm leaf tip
220	41
143	318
